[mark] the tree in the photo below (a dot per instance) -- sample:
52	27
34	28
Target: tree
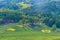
23	21
54	28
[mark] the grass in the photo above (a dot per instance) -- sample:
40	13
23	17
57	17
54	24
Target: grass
33	35
26	34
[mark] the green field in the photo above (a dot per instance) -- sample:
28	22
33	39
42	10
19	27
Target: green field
25	33
33	35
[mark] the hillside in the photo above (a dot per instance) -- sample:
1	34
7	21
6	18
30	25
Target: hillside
23	12
29	19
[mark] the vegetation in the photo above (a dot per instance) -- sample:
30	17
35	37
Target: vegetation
29	36
29	21
19	32
16	16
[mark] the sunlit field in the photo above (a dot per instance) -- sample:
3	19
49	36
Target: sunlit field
12	34
29	36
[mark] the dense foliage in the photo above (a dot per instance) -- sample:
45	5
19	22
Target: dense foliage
31	15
